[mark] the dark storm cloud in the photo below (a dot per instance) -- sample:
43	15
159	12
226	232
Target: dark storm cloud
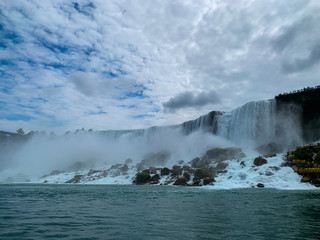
289	33
299	65
189	99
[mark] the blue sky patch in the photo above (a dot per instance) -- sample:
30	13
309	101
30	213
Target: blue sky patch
17	117
143	116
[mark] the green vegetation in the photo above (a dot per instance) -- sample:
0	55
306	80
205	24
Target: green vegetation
304	90
201	173
305	160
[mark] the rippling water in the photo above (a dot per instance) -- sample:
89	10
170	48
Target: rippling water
156	212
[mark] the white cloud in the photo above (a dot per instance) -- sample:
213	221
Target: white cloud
62	62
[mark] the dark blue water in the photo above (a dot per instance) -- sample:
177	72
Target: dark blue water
156	212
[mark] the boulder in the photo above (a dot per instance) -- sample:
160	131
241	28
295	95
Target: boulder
186	168
221	166
181	182
165	171
295	168
55	172
196	183
195	163
153	170
92	171
243	164
128	161
270	148
260	185
180	162
186	176
75	179
305	179
124	168
176	171
259	161
201	173
146	171
268	173
155	179
207	181
274	168
220	154
142	178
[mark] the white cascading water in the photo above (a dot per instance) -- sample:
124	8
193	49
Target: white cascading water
253	123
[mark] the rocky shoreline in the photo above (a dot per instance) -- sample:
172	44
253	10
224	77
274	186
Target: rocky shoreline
200	171
305	160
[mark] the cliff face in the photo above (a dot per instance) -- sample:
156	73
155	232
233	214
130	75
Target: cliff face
307	104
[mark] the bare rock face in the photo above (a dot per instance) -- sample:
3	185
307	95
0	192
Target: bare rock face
259	161
181	182
75	179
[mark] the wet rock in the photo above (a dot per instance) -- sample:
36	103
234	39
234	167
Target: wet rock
186	168
260	185
45	181
165	171
201	173
269	174
181	182
128	161
274	168
55	172
115	166
259	161
186	176
75	179
220	154
142	178
305	179
207	181
146	171
243	164
221	166
176	171
196	183
195	163
155	179
124	168
270	148
153	170
270	155
295	168
180	162
92	171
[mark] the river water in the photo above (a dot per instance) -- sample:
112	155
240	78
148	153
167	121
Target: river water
31	211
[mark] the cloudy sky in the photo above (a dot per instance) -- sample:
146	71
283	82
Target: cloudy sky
119	64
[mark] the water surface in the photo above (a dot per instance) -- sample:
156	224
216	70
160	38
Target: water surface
156	212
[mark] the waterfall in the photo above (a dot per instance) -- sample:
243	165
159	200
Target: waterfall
252	122
206	123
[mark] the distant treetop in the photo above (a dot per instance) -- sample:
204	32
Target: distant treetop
306	89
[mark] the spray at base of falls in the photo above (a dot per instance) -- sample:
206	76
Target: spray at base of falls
248	126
